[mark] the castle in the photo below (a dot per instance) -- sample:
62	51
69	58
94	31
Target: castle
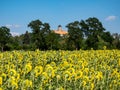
60	31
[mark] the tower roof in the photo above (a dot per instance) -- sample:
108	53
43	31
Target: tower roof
59	26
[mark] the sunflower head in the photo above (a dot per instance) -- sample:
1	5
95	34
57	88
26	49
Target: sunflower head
38	70
28	68
66	75
45	77
12	72
27	83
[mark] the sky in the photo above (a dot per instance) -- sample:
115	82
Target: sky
17	14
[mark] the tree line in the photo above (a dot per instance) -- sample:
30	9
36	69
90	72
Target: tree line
84	34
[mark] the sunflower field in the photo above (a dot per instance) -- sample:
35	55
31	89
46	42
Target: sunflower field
60	70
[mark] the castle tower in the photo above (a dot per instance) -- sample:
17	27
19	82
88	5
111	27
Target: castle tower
60	31
59	28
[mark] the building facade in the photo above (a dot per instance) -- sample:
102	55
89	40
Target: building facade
60	31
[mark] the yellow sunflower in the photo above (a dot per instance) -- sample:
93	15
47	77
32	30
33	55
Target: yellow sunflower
66	75
12	72
38	70
0	80
28	67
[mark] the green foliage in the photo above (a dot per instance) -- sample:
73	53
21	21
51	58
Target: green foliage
116	41
101	43
16	42
40	31
95	34
94	30
52	41
26	38
4	37
84	34
75	35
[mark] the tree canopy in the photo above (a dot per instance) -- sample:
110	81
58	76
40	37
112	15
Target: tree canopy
4	36
40	31
84	34
75	35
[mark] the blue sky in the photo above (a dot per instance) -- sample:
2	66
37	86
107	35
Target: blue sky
16	14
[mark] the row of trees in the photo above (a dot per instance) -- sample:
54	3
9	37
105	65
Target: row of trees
84	34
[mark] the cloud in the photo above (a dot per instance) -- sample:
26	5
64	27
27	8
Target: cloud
13	26
110	18
16	26
14	34
8	25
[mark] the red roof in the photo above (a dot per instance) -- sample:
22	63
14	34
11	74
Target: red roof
61	32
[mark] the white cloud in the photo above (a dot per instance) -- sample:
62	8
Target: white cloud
8	25
14	34
110	18
16	26
12	26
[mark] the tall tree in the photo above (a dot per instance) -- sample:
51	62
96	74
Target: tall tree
75	35
93	29
4	36
45	33
26	38
36	27
40	31
26	41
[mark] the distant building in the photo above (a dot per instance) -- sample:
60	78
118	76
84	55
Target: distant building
60	31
